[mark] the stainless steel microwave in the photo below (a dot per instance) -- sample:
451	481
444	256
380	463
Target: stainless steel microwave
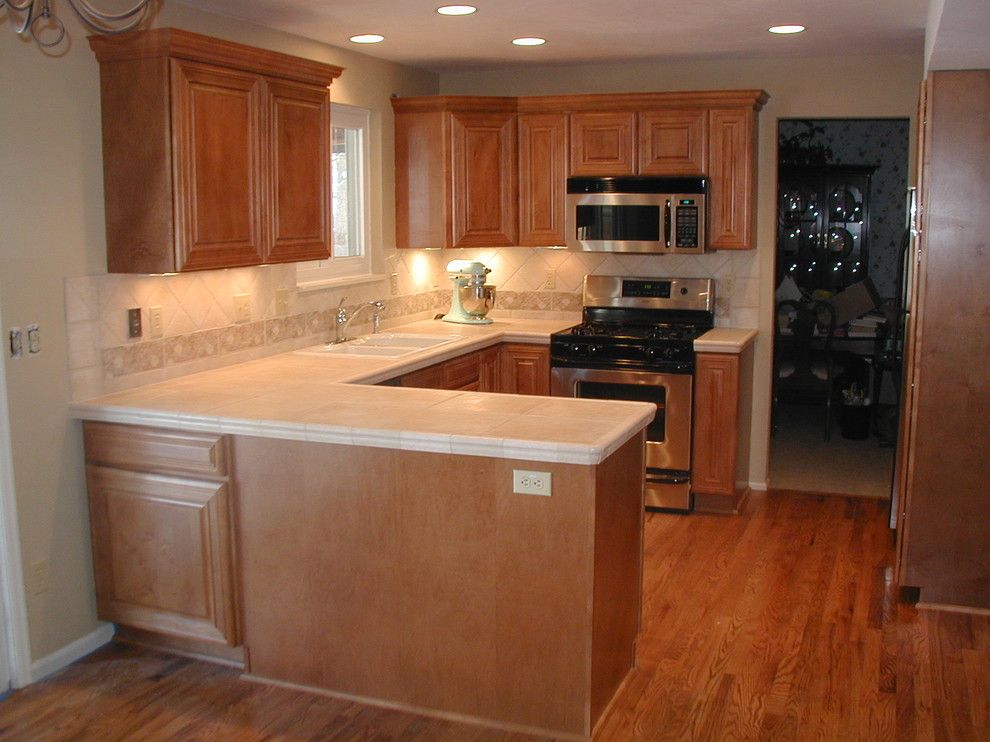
636	214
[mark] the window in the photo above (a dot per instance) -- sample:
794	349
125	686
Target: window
349	188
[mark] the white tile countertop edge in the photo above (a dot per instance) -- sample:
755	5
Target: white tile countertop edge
581	432
724	340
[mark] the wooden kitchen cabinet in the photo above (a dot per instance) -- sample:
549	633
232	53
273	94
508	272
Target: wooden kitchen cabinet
602	143
490	369
455	172
719	451
215	154
525	369
542	178
462	373
732	178
673	142
160	515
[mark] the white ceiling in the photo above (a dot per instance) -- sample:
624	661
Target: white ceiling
591	30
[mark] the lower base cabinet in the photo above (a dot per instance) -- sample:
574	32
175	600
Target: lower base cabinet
510	368
160	514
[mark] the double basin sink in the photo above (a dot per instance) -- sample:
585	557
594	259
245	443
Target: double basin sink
381	345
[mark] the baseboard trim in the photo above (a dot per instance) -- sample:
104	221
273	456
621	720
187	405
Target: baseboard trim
951	608
68	654
759	486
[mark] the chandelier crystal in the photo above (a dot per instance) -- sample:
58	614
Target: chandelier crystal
49	31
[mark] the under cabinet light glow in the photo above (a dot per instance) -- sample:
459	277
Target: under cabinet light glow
367	38
786	29
529	41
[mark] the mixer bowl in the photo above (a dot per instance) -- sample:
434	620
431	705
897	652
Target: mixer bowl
477	300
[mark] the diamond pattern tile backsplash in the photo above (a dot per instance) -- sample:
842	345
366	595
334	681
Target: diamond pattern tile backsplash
200	330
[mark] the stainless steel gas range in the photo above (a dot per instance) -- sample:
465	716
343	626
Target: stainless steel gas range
636	342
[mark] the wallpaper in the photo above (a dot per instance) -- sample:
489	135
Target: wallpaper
880	142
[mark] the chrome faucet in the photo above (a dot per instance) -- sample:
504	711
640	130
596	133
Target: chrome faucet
344	318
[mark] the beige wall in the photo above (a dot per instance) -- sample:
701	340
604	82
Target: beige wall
818	87
51	228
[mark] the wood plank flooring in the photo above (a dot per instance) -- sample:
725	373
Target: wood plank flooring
779	624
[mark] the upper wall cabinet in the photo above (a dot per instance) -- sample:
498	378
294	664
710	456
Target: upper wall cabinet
215	154
455	175
455	172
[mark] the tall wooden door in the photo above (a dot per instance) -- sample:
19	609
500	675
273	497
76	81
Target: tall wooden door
542	176
731	170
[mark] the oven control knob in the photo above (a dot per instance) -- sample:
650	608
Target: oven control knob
594	350
577	349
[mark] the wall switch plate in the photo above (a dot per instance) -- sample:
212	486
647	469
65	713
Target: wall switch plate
531	482
242	307
281	302
16	346
156	326
34	339
134	322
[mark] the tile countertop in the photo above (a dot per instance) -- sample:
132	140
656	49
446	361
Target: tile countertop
724	340
331	399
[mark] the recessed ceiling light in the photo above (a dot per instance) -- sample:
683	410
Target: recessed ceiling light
785	29
529	41
456	9
367	38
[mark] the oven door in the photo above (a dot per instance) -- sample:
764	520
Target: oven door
668	436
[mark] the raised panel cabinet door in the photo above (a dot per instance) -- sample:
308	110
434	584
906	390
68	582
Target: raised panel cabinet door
525	369
217	157
732	178
299	119
542	177
162	553
673	142
489	370
716	418
484	179
602	143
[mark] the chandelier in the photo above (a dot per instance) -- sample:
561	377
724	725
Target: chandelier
46	28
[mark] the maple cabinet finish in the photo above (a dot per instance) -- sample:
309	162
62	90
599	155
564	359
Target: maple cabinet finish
510	368
525	369
943	525
719	453
673	142
602	143
215	154
455	172
421	580
443	202
542	178
160	513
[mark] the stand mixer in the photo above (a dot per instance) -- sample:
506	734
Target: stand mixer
472	297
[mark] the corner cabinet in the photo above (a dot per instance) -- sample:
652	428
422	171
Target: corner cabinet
163	548
227	145
455	172
460	160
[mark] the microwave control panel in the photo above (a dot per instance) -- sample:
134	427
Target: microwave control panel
686	223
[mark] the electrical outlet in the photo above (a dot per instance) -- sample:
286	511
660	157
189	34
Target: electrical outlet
531	482
155	322
16	345
281	302
38	577
34	339
550	281
134	322
242	307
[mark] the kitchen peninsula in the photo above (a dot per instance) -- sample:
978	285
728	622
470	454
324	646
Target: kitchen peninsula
294	515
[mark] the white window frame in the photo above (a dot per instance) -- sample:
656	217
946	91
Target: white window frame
349	270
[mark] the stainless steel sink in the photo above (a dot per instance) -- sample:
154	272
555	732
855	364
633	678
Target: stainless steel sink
382	345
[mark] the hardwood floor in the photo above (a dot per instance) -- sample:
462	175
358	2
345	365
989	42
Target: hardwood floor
778	624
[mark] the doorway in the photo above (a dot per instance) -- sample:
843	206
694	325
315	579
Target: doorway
841	219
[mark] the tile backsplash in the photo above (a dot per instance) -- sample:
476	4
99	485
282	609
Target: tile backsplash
200	329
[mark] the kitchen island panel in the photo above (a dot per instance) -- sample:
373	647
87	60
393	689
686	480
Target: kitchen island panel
421	580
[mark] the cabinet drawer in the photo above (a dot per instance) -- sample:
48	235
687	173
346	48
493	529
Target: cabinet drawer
460	372
154	449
